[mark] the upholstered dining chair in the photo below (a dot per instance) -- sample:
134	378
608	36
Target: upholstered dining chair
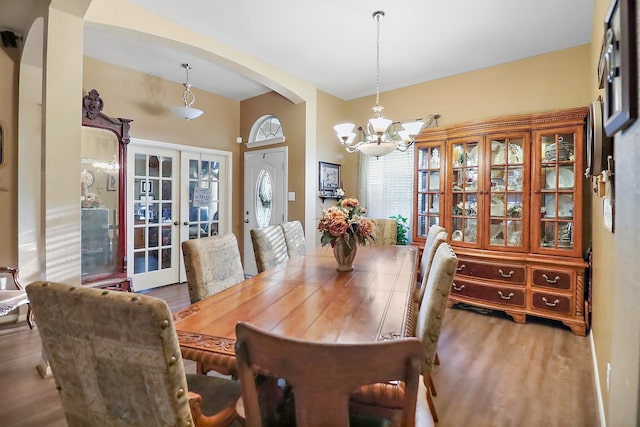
211	264
12	294
385	231
322	376
269	247
294	237
427	329
435	237
127	372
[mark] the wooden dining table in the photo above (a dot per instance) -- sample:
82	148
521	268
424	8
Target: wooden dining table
306	298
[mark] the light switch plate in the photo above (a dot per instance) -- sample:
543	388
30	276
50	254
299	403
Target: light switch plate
292	196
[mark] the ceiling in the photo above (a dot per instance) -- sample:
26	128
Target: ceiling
332	43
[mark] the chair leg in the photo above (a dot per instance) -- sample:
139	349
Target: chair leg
431	387
30	321
432	407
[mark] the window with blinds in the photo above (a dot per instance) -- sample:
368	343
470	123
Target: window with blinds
389	183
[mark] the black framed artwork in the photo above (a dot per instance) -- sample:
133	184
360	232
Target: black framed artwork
617	66
599	146
1	145
329	178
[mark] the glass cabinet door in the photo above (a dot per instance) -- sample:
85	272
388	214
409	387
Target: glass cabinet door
558	156
508	191
429	188
465	158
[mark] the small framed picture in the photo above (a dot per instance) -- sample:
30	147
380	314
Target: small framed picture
329	177
617	66
112	182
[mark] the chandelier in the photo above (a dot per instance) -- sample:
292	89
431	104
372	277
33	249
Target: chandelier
381	136
186	111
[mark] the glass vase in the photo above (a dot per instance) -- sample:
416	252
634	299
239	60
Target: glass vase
344	255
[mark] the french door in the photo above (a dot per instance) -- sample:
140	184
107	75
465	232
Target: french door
176	194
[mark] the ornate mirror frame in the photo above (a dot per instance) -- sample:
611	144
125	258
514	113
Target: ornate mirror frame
92	116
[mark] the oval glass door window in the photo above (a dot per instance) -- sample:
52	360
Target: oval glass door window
264	198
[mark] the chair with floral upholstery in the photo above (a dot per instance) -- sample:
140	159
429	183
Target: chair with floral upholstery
12	294
385	232
127	372
269	247
435	237
211	264
294	237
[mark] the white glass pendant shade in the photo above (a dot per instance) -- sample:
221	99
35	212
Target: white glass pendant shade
187	113
413	128
344	129
377	150
380	124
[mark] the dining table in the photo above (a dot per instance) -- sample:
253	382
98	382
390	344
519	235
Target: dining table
306	298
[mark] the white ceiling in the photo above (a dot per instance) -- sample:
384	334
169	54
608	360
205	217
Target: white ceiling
332	43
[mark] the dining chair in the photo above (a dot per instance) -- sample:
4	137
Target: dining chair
123	373
428	326
269	246
435	237
322	376
294	237
12	294
385	231
211	264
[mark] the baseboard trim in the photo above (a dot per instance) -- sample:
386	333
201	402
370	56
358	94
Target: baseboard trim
596	377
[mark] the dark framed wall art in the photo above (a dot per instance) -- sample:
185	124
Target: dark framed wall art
617	68
329	178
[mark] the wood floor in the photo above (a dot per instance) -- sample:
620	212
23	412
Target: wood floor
493	373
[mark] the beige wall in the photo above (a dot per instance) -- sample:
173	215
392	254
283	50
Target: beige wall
542	83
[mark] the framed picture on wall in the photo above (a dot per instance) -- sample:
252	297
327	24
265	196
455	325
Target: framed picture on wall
112	182
617	66
329	178
1	145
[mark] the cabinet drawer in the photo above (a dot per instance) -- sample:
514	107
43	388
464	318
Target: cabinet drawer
501	295
551	278
550	302
495	271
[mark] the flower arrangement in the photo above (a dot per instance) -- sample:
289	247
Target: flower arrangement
346	222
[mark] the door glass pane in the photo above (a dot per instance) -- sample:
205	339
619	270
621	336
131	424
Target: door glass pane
153	212
264	198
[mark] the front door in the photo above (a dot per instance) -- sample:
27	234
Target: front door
265	195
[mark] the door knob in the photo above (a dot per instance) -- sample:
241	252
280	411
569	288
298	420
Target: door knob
185	223
176	223
246	221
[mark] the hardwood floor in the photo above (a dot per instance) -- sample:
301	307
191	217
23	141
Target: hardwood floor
493	373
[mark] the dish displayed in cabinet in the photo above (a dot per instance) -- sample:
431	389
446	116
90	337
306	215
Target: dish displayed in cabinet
515	154
565	179
565	207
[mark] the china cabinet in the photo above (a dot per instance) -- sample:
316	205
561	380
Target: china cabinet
509	192
102	196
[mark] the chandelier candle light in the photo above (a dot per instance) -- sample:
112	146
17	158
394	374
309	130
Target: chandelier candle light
186	111
381	136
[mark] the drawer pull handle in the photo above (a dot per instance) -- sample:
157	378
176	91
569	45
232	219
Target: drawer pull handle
460	268
551	282
507	297
550	304
457	288
505	275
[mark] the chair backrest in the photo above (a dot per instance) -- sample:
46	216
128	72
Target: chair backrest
269	247
294	237
111	373
322	375
426	261
434	303
212	264
385	232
